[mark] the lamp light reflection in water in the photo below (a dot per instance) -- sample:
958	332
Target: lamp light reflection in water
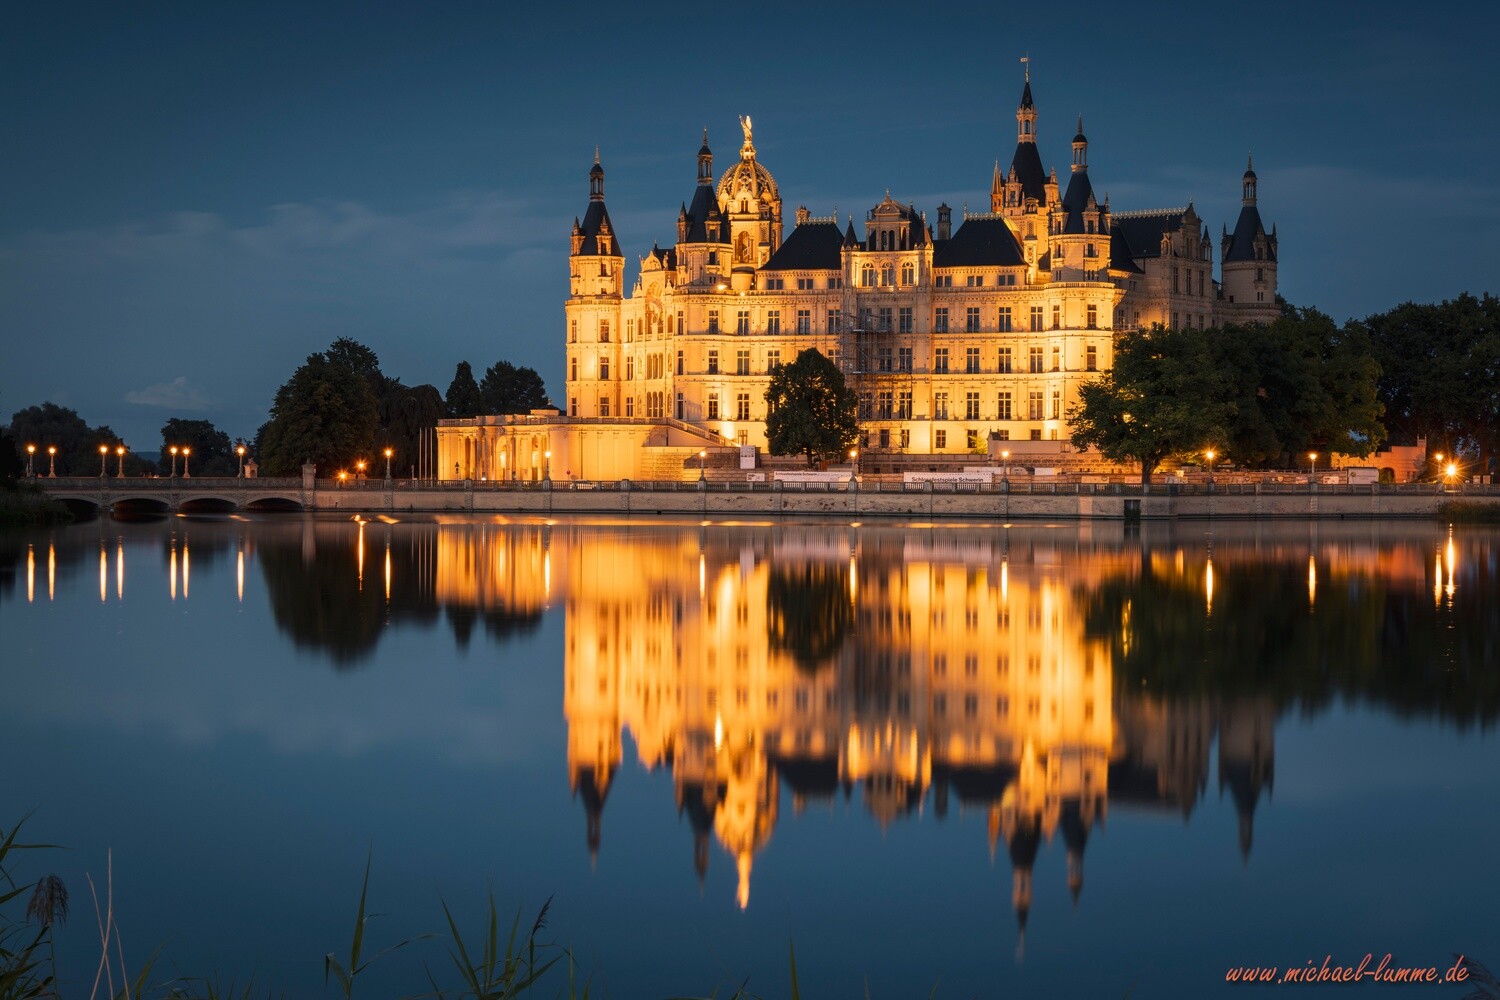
1208	586
172	574
120	570
30	574
1452	559
361	550
51	571
187	567
388	567
239	576
1312	581
1437	580
103	573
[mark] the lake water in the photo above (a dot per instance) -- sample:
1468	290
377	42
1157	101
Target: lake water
1027	760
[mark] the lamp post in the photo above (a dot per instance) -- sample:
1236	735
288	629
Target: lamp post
343	478
360	466
186	451
103	457
1314	456
30	457
120	452
173	450
547	465
1437	464
388	453
1005	455
854	461
52	461
1209	454
702	462
240	451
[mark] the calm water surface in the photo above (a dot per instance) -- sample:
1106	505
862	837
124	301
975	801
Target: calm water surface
1035	760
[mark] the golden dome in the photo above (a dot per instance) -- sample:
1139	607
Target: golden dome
747	179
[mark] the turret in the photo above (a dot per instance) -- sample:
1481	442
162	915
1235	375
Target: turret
1026	178
1249	261
598	264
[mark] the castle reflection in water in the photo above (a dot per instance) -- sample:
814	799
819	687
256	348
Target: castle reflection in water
1037	675
904	664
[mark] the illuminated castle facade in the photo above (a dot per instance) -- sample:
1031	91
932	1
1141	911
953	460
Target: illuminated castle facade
949	332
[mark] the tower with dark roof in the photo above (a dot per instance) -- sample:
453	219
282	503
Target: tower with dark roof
1249	255
703	238
1026	180
596	268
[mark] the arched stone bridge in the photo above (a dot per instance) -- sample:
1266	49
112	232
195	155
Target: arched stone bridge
176	494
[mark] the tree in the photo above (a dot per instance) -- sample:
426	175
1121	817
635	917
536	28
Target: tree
506	388
77	444
1440	373
810	411
1162	397
326	413
408	414
808	612
464	398
212	454
1297	385
357	358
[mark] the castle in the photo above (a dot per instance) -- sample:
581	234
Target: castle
950	335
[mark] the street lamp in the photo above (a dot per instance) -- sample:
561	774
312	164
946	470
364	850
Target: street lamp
1437	461
1314	456
1209	454
240	451
388	453
173	450
1006	456
120	472
547	465
854	461
30	455
702	462
103	457
1450	471
343	477
360	465
186	451
52	461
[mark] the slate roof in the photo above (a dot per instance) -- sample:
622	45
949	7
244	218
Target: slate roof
1242	243
812	246
596	216
705	207
1119	252
1142	231
1075	201
986	242
981	785
1027	166
813	778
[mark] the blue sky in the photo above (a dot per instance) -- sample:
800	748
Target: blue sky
200	195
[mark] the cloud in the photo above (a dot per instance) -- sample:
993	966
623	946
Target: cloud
175	395
208	313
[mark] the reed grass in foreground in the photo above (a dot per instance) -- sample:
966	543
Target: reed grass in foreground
478	967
